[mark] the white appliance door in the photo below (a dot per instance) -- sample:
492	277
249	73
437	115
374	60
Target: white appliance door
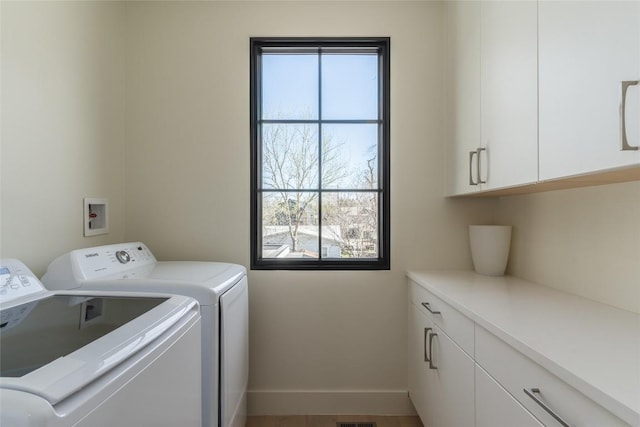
161	387
234	354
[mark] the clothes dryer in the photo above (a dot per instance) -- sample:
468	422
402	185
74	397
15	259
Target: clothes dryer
98	359
220	289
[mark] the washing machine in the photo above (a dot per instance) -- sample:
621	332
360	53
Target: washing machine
220	289
98	359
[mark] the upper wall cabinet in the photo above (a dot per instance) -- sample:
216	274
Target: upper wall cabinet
589	67
509	93
491	73
462	71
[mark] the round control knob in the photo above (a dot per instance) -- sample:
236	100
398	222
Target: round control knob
123	257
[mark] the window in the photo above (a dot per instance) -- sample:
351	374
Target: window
320	153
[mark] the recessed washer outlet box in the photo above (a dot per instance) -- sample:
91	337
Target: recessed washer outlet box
91	311
96	216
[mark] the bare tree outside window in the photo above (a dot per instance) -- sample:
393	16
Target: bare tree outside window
290	156
356	214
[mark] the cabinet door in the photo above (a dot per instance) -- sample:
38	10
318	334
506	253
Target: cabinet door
441	391
417	366
587	49
451	383
462	100
509	93
495	407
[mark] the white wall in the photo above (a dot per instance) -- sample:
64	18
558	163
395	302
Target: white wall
62	125
320	341
584	241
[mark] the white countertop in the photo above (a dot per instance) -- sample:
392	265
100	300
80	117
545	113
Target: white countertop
592	346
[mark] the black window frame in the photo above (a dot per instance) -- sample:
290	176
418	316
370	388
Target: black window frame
383	260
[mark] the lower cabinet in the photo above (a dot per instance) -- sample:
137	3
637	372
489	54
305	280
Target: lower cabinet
441	375
449	388
418	368
495	407
550	399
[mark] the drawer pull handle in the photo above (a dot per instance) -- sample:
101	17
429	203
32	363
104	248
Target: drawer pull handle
480	181
623	125
426	332
428	307
532	394
471	181
431	365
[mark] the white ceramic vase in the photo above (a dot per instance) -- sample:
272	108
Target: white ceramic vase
490	248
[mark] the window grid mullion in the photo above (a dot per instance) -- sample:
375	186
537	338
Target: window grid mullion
258	203
328	190
320	117
325	121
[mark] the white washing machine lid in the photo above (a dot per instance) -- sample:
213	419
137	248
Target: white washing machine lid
69	373
102	268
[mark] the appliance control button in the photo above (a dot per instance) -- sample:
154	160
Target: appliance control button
123	257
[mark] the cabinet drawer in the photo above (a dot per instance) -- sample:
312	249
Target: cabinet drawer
497	408
516	372
451	321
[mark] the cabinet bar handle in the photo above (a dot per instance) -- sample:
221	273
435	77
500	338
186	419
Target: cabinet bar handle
428	307
426	332
480	181
623	124
532	394
471	181
431	365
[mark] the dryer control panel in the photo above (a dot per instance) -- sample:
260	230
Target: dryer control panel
16	280
112	260
119	261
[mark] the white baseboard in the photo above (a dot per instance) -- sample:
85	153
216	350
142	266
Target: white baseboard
275	402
